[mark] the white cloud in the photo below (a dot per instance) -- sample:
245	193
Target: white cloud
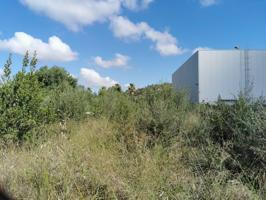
207	3
54	50
201	49
119	61
94	79
75	13
126	85
136	4
165	43
125	29
78	13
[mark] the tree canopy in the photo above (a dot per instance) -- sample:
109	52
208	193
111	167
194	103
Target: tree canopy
55	76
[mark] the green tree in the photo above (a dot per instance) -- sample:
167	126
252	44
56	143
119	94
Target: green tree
25	62
7	67
116	88
102	91
20	103
54	77
131	90
33	62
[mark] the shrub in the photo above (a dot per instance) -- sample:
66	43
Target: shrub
20	100
66	102
53	77
151	138
161	111
240	129
230	137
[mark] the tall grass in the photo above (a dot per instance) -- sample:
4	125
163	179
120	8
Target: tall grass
152	144
89	162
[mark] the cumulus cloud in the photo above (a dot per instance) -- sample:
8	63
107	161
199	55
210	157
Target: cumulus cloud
123	28
119	61
164	42
54	50
201	49
75	13
207	3
136	4
94	79
78	13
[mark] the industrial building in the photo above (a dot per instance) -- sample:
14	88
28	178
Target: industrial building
209	74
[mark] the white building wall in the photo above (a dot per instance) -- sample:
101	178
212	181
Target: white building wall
186	78
257	73
225	73
220	74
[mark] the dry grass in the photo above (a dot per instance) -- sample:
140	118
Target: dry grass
90	162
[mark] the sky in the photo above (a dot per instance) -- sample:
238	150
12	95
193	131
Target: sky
104	42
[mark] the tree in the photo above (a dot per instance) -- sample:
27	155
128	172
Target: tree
131	90
20	102
7	68
102	91
33	62
116	88
25	62
54	77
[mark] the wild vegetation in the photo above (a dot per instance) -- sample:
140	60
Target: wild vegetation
62	141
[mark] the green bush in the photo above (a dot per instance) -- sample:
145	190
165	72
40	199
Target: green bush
220	147
20	100
53	77
240	129
66	102
161	111
230	138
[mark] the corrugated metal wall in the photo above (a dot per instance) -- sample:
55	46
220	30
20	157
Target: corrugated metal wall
220	74
229	72
257	72
186	78
224	73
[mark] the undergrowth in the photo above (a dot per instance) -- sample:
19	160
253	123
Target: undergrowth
62	141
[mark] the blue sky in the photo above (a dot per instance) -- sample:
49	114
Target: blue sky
103	42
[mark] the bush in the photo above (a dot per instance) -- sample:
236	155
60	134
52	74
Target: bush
240	130
153	137
230	137
53	77
31	99
66	102
161	111
20	100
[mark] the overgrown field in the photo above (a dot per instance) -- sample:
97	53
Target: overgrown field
62	141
